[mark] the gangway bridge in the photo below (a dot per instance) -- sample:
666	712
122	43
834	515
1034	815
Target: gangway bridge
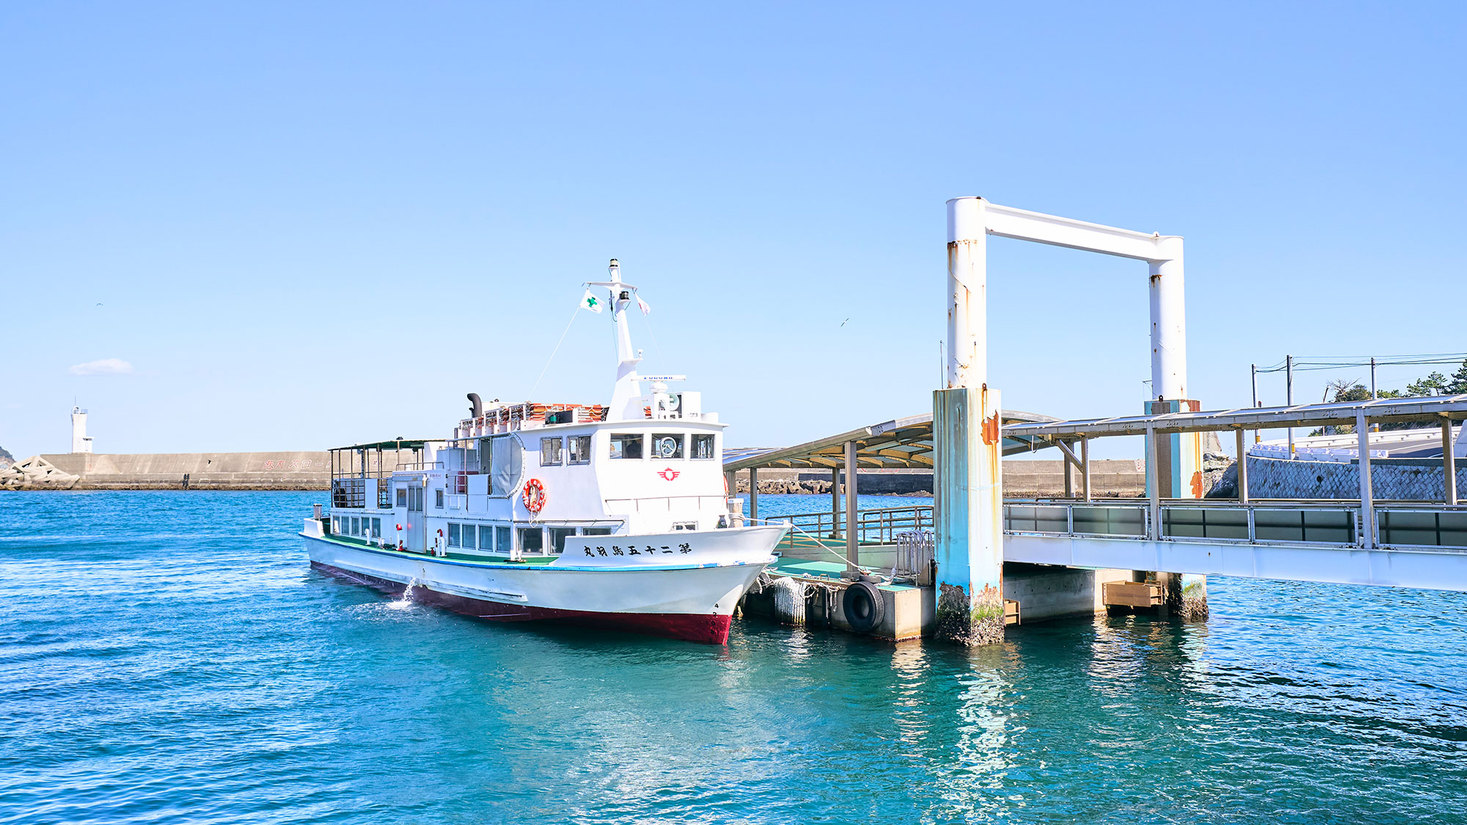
1420	544
1167	542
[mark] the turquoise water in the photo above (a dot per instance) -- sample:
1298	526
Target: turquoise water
170	657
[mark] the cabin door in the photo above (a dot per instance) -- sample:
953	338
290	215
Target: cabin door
417	527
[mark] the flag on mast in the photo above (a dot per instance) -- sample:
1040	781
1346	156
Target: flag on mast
591	302
642	305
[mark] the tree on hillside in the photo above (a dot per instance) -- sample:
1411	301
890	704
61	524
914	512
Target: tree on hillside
1434	384
1458	384
1345	391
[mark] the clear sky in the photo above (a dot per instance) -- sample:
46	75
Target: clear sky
297	225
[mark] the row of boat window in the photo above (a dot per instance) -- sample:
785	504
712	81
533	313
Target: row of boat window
497	538
576	449
367	528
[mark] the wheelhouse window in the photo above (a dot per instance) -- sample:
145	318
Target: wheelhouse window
550	449
532	540
558	535
702	447
667	445
626	445
580	449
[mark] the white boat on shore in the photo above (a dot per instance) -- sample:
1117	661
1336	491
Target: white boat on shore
611	516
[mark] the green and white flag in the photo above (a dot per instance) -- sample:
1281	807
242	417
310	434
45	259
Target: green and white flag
591	302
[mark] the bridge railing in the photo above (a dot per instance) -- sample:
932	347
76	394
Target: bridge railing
1314	523
1320	522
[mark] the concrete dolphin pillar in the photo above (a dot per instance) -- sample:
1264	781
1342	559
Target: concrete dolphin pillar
967	482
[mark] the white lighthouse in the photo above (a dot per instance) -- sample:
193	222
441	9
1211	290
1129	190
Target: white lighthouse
80	441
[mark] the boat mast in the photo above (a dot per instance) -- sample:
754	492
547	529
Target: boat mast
626	396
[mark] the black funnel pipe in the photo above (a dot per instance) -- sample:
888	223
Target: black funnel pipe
476	407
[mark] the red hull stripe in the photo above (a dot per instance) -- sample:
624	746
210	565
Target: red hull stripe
707	628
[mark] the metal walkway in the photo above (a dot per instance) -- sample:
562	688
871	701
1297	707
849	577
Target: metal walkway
1416	544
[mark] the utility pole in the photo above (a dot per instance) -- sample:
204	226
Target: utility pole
1289	395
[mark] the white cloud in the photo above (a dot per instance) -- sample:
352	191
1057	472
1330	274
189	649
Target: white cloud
106	366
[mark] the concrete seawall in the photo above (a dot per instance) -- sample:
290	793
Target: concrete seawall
1021	479
200	471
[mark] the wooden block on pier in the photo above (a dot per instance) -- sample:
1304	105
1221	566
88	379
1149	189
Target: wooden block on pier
1010	612
1131	594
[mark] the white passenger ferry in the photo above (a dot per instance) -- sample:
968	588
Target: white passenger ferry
614	516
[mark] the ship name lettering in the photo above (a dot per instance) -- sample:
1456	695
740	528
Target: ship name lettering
616	550
632	550
685	548
601	551
589	553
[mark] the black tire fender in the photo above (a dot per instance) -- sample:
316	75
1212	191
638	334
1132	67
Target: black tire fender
863	606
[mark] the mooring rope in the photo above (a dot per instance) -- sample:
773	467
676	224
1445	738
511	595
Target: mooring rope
820	544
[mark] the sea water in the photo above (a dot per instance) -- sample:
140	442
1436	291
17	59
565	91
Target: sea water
170	657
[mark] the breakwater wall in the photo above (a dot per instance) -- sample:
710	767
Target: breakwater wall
312	471
201	471
1391	479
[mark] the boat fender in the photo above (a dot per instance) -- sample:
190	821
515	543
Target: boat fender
534	495
863	606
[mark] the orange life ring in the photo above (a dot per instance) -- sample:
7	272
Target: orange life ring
534	495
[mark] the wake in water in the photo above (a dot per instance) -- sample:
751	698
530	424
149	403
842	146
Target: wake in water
404	601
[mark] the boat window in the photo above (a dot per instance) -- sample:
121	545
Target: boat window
550	451
596	531
356	527
580	449
453	534
402	497
470	535
558	535
531	540
438	499
486	456
702	446
626	445
501	540
336	525
376	528
486	537
667	445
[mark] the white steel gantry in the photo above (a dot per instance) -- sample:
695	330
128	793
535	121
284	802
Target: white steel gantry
968	483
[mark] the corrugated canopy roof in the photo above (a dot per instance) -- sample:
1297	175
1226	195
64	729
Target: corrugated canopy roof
1381	410
902	443
398	444
907	442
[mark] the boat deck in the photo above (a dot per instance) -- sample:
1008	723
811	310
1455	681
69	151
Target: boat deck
451	555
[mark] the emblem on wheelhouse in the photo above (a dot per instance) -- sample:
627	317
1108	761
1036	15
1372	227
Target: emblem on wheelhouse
611	515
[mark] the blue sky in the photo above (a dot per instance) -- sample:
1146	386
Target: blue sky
304	224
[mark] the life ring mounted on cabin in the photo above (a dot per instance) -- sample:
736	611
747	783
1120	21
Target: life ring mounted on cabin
534	495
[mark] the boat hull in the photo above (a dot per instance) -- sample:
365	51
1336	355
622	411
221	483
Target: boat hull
692	601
